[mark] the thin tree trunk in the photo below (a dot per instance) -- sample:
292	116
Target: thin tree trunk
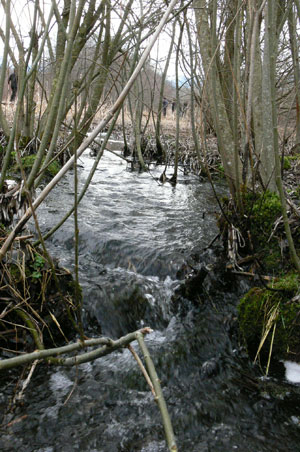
137	118
271	54
209	48
296	70
3	122
30	103
267	168
192	99
58	103
174	176
160	149
235	96
18	113
254	85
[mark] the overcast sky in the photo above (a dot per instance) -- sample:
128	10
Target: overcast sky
22	18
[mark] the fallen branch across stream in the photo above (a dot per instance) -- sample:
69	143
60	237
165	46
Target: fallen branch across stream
108	346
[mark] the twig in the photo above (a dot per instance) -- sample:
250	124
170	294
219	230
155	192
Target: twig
142	367
252	275
23	237
159	395
26	382
34	330
243	260
73	387
212	241
16	421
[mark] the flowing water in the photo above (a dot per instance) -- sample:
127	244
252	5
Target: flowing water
137	240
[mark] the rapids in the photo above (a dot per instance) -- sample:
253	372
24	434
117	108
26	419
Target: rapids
138	239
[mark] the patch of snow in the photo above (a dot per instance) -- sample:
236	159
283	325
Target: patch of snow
292	371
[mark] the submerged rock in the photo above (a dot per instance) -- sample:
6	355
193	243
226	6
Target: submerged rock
210	368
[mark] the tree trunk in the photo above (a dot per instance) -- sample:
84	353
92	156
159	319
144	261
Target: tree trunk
160	149
271	53
296	70
209	49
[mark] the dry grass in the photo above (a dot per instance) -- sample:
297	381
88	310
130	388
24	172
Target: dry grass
168	123
9	109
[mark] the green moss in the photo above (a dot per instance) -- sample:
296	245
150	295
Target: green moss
53	168
293	157
256	224
15	273
221	171
260	213
265	210
28	161
254	311
272	259
287	163
24	142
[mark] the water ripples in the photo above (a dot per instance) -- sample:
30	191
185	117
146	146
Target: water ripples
136	238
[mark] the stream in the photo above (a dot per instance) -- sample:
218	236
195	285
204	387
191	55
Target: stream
138	239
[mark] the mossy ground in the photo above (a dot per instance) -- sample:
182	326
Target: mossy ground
278	303
261	213
28	161
263	232
255	318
